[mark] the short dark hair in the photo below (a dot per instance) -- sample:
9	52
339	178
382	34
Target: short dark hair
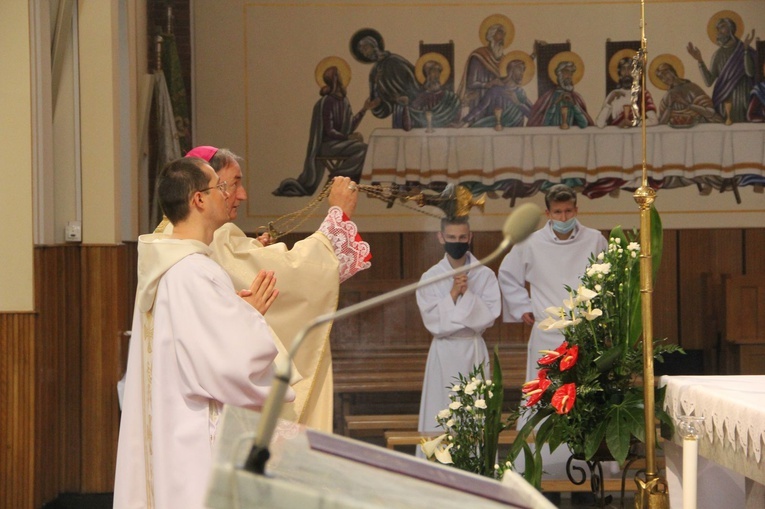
446	221
176	183
559	193
224	157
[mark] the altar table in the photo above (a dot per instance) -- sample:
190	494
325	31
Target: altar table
734	425
707	154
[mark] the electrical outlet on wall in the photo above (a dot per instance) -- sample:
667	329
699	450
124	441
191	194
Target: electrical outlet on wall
73	231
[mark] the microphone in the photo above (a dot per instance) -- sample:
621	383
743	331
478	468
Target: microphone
519	225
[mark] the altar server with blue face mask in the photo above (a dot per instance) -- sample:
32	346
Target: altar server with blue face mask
550	259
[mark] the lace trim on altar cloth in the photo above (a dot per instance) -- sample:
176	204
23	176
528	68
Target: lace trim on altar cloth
736	412
351	251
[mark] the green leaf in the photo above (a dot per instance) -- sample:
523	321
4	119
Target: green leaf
493	423
657	240
618	435
635	418
594	439
544	432
607	359
533	472
528	427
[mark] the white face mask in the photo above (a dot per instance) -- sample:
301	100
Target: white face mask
564	226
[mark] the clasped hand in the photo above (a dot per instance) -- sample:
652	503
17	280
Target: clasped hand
262	292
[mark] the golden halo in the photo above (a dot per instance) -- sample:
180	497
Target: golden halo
531	67
497	19
667	58
343	70
446	69
613	64
566	56
712	24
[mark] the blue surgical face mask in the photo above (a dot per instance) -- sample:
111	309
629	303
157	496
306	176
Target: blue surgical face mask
564	226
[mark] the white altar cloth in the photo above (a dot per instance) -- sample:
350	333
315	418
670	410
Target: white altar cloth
734	411
530	154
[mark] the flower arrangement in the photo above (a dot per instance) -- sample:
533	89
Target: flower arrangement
588	391
472	423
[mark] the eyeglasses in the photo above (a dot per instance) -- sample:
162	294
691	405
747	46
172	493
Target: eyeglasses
222	186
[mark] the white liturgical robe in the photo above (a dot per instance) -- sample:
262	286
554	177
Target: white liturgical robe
196	345
548	264
457	329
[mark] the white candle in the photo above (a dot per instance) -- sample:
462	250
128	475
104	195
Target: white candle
690	468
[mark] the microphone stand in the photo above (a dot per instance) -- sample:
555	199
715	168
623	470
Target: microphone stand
518	226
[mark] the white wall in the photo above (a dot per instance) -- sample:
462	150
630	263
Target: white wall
16	269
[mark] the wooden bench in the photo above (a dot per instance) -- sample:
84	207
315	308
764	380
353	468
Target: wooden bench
395	439
376	424
394	370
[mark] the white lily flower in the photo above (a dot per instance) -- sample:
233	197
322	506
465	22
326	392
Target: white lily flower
584	294
429	446
547	323
592	314
570	303
443	455
556	311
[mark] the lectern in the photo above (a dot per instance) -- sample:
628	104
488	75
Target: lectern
313	470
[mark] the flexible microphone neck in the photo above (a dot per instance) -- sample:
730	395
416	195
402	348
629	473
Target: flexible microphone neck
519	225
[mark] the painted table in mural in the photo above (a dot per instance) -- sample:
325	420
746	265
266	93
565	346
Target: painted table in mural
521	161
731	467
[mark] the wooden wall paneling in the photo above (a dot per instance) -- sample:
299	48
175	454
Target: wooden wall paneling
484	243
106	311
752	360
420	251
754	251
396	324
386	256
704	257
17	410
58	353
665	295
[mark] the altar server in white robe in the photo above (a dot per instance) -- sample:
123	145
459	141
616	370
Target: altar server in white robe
309	277
197	344
456	311
551	258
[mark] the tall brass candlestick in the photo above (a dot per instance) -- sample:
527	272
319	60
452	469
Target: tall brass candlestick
652	493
